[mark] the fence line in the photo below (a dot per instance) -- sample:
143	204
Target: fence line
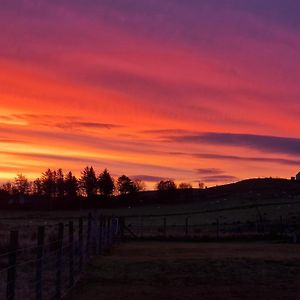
51	268
215	210
188	226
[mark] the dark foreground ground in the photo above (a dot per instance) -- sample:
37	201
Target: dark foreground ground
160	270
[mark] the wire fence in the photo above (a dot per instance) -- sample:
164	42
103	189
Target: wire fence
44	262
50	268
193	226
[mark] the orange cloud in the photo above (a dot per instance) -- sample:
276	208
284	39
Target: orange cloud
119	91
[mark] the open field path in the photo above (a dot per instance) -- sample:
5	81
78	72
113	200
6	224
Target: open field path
206	271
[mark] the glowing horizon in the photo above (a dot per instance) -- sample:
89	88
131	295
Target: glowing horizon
202	91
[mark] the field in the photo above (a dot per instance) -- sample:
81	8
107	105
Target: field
261	270
208	271
233	210
264	200
205	218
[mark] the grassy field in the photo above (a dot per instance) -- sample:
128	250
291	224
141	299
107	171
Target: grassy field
193	271
241	201
249	206
229	213
233	210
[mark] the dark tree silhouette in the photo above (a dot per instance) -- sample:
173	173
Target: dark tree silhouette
8	187
125	185
71	185
139	185
106	184
88	182
37	187
201	185
60	183
22	184
49	183
166	185
185	186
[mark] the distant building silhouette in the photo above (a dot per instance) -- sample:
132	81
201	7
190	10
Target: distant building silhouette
298	176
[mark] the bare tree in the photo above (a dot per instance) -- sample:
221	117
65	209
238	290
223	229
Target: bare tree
139	185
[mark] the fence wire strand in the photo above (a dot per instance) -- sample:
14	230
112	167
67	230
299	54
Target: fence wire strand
49	274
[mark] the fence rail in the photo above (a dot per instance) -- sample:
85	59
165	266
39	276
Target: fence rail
51	267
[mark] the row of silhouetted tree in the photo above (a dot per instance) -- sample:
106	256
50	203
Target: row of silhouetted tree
57	184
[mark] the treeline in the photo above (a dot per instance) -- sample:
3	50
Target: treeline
57	184
58	189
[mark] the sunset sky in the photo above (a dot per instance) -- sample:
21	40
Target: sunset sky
190	90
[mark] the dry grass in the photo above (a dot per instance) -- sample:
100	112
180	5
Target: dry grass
194	271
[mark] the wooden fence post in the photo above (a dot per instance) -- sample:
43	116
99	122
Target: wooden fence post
256	227
71	253
80	244
12	260
112	225
108	231
104	221
88	237
39	262
117	230
122	228
186	226
165	227
59	260
218	228
141	227
281	226
263	225
100	235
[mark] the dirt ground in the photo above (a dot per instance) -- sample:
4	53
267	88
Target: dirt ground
206	271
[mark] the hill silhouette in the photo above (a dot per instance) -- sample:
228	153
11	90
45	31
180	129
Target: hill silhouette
245	192
250	191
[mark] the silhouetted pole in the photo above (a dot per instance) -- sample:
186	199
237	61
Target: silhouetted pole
59	260
71	253
108	231
39	262
186	226
12	269
111	232
218	228
141	227
80	244
104	237
88	237
100	235
122	228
